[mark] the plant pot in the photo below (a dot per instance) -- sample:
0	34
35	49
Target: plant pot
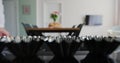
54	25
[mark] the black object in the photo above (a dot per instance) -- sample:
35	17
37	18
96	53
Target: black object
26	52
27	26
31	33
99	51
64	51
87	17
36	33
71	33
78	32
34	26
2	58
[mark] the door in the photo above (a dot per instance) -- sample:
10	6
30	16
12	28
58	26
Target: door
10	11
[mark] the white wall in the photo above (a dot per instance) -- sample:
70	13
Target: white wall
74	11
118	11
39	10
11	14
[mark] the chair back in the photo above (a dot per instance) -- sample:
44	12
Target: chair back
71	33
78	33
34	26
26	26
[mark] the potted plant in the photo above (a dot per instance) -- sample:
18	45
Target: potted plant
54	16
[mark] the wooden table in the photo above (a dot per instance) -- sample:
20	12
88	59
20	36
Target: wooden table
39	31
53	29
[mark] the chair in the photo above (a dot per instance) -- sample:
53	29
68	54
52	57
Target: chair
80	27
27	26
100	50
71	33
37	33
25	52
63	51
78	32
34	26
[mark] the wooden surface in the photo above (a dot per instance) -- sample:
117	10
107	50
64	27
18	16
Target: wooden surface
53	29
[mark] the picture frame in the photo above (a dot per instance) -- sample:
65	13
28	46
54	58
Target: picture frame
26	9
93	20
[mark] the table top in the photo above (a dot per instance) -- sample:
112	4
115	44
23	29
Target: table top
53	29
